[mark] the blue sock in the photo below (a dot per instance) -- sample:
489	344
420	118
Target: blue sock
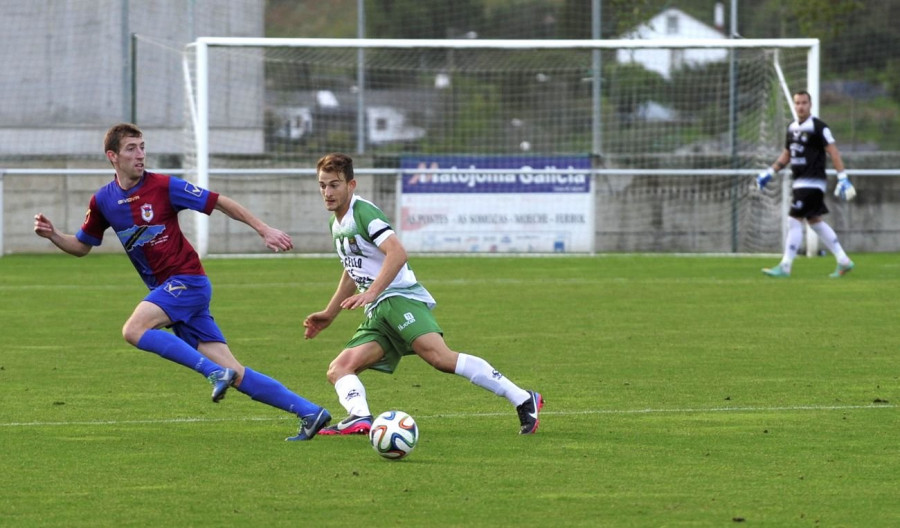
270	391
171	347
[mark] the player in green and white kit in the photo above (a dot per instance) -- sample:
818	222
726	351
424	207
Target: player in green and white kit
399	320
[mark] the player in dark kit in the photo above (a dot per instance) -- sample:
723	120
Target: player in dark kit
142	208
807	142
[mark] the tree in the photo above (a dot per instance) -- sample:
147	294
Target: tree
415	19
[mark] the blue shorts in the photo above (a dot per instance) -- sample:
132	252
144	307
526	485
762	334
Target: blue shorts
185	299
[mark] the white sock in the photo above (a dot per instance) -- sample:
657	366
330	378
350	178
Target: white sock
481	373
829	238
792	243
352	395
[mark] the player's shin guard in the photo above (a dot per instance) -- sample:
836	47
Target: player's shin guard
792	243
830	239
481	373
270	391
352	395
171	347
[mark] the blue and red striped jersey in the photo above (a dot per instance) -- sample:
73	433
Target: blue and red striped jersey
145	218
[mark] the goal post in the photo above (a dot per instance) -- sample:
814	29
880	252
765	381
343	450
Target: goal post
276	104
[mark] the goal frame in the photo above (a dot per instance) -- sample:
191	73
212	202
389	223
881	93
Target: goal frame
199	107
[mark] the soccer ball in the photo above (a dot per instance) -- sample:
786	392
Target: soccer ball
394	434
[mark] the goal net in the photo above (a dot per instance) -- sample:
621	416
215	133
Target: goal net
669	133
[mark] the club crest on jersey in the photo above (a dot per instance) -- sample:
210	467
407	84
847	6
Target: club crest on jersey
190	188
354	247
147	212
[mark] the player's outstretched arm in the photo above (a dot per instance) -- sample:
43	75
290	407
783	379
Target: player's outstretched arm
315	323
44	228
318	321
275	239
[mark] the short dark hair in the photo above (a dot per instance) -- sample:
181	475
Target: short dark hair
804	92
113	139
336	163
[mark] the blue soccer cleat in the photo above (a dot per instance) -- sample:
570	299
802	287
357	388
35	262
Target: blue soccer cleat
221	380
310	425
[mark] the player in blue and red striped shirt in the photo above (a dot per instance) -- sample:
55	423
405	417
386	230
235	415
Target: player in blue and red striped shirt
142	208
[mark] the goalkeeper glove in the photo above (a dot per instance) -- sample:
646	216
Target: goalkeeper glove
763	178
844	189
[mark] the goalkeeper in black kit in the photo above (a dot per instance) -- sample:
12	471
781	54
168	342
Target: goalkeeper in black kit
807	142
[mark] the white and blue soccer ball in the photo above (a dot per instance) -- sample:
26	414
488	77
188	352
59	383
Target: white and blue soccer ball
394	434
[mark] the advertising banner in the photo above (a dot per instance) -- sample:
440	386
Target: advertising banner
541	205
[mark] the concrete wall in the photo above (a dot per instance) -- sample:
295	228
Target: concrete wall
633	214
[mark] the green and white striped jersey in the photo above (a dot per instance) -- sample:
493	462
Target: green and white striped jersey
356	239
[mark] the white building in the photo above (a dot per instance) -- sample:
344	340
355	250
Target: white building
297	115
668	24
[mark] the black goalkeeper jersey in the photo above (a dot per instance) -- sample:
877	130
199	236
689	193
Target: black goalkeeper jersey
806	142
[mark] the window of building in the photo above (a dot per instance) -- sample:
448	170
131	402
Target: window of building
671	24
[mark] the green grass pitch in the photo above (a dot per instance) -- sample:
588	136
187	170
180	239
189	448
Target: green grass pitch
681	391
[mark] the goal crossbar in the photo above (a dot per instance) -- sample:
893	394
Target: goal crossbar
811	43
